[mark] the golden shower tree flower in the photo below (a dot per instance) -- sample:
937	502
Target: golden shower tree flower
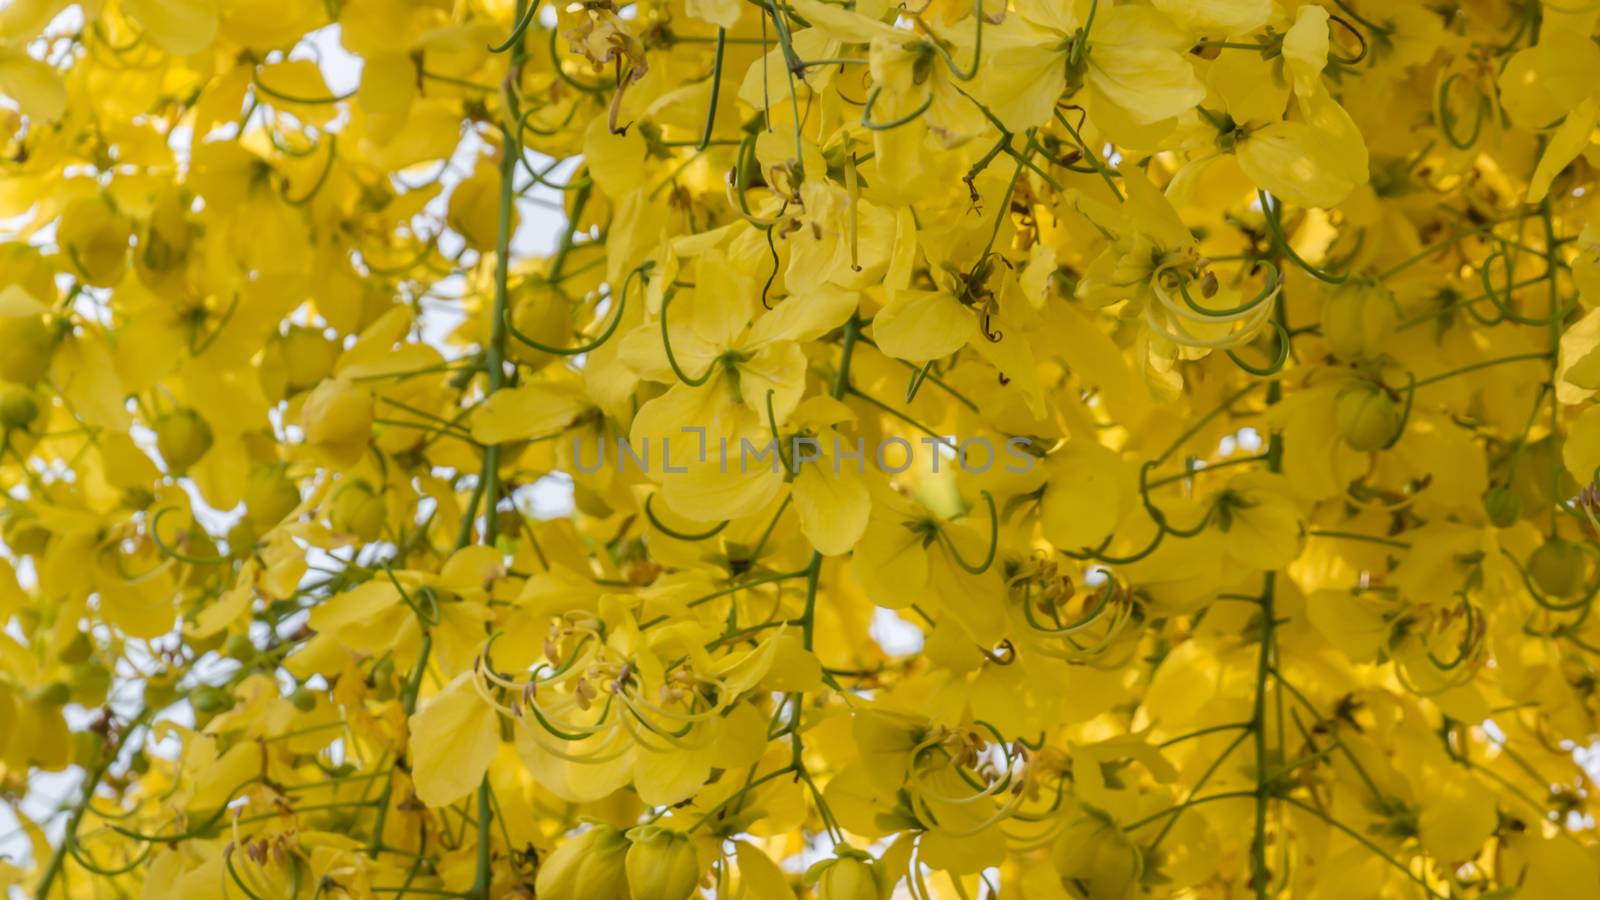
1085	449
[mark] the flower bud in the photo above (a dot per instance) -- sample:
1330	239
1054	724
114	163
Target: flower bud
165	242
242	537
308	356
1356	320
208	643
211	699
1557	568
848	876
1367	417
544	316
474	211
239	647
26	345
270	494
18	406
160	690
137	498
95	238
90	682
88	748
359	510
56	693
589	865
1094	853
1135	266
24	535
1503	506
77	650
183	437
337	418
662	864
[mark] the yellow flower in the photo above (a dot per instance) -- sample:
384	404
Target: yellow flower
474	210
1258	520
1366	416
848	876
1130	58
27	342
921	325
1357	319
1277	575
337	420
662	864
1545	81
183	437
1096	854
95	238
589	865
455	735
35	86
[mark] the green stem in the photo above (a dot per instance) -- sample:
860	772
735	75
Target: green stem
1357	536
1259	876
494	364
1485	364
813	573
1554	354
1199	785
483	876
91	783
1364	841
1214	729
1225	406
408	702
1187	804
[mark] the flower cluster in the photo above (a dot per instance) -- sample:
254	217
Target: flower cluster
1280	320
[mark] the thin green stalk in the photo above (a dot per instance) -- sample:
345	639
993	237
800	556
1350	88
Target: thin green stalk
1259	875
1554	354
91	783
494	366
1485	364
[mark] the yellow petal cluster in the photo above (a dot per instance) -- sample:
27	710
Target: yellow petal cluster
1035	449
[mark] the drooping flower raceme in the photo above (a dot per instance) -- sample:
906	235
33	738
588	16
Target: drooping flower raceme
1035	449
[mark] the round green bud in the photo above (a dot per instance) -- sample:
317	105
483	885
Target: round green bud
18	406
304	699
1367	417
183	437
1558	568
26	346
1503	506
209	699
